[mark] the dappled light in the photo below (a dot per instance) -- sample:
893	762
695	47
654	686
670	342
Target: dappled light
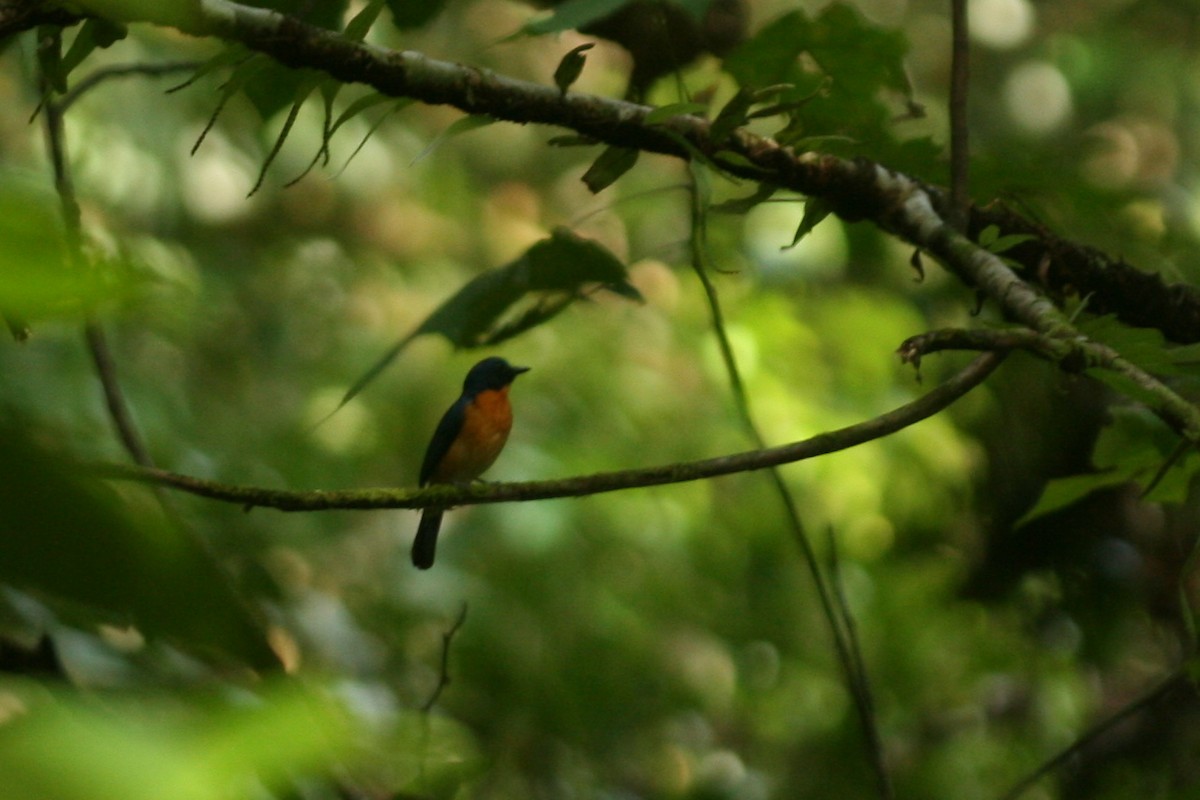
758	530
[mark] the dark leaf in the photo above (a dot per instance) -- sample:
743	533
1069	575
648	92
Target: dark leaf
571	15
663	113
741	205
459	126
93	33
556	271
610	165
732	115
571	67
571	140
358	27
408	14
918	265
326	14
815	210
67	537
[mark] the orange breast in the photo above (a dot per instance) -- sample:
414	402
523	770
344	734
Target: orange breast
485	430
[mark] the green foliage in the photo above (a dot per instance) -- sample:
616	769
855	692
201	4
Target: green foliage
124	565
553	273
662	642
182	745
838	97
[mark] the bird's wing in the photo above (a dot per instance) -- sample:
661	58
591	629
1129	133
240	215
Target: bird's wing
443	436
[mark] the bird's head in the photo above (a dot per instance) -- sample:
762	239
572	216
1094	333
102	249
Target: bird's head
491	374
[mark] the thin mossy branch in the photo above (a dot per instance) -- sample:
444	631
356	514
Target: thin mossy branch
878	427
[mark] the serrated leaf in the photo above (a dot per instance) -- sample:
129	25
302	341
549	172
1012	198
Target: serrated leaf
843	70
457	128
815	210
555	271
608	166
409	14
571	66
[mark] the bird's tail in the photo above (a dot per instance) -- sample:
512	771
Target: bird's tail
425	544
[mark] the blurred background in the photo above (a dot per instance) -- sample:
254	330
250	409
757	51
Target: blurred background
656	643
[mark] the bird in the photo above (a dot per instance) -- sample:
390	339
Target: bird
466	442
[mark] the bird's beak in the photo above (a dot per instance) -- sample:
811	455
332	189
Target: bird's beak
518	370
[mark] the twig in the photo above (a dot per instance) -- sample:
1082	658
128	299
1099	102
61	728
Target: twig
114	397
840	626
914	348
93	334
94	79
1175	680
444	672
448	495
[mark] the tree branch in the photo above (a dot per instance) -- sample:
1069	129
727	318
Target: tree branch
445	496
852	189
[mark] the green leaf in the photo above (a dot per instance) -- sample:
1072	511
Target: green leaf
1131	448
991	240
67	536
552	274
571	140
156	745
741	205
312	80
733	115
608	166
571	67
1060	493
571	15
358	27
93	33
457	128
663	113
843	72
37	279
815	210
1146	347
408	14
